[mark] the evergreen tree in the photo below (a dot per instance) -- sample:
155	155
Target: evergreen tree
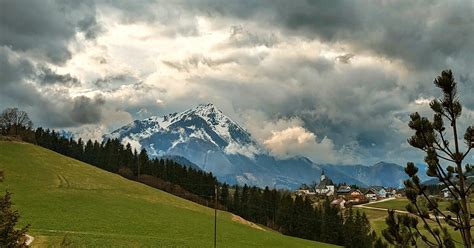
142	160
244	201
9	236
364	236
224	195
236	201
400	231
349	228
332	223
433	138
379	243
285	214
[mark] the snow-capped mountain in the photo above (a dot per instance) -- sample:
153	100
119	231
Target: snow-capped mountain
212	141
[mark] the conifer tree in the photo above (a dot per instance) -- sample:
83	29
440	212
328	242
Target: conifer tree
224	195
446	163
236	200
9	235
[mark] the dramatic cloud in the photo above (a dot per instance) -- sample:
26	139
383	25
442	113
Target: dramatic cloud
46	28
333	80
298	140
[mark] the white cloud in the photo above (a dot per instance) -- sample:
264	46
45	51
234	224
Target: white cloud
297	140
248	151
133	143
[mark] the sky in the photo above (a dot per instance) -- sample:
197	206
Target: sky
331	80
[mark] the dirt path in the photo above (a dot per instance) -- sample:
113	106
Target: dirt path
29	239
241	220
385	209
380	209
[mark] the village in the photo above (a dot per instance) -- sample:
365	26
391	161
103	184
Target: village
344	196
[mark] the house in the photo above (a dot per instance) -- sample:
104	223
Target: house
340	203
371	194
305	192
446	193
358	195
325	186
380	191
391	192
344	190
400	193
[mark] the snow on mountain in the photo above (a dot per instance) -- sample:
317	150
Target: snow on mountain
204	123
215	143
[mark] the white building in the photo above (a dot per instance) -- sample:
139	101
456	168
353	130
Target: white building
325	186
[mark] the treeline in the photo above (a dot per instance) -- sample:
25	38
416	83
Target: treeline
113	156
280	210
298	216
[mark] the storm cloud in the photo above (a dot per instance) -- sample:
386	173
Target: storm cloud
337	79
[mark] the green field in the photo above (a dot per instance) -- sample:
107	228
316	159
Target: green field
399	204
60	196
377	217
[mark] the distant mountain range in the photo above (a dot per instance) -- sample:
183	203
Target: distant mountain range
206	138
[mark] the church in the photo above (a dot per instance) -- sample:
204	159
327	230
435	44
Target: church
325	186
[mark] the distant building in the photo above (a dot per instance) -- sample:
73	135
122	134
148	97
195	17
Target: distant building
358	195
391	192
305	192
371	194
446	193
340	203
344	191
379	191
325	186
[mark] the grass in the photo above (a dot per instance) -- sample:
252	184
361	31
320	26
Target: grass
377	217
62	197
400	203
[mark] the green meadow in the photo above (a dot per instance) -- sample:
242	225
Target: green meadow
67	200
400	204
377	217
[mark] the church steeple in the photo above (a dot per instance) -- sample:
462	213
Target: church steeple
322	176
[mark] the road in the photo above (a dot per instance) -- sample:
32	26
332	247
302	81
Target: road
384	209
365	205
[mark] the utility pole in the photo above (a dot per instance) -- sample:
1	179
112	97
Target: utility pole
215	216
138	166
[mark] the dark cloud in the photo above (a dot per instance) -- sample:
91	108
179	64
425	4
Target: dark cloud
46	28
13	69
114	80
196	61
240	37
346	58
47	76
50	107
86	110
422	34
361	103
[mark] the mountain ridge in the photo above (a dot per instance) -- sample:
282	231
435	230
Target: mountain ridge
215	143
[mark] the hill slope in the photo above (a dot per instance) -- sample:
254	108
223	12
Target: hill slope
58	195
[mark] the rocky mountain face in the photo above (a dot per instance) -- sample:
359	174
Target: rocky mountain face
205	137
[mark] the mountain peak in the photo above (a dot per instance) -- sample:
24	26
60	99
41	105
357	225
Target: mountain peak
206	109
203	123
206	105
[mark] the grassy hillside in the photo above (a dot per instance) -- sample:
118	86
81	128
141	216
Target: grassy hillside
60	196
377	217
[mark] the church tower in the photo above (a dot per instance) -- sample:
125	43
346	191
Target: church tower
322	176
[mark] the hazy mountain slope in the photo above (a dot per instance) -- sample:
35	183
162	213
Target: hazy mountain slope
382	173
212	141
